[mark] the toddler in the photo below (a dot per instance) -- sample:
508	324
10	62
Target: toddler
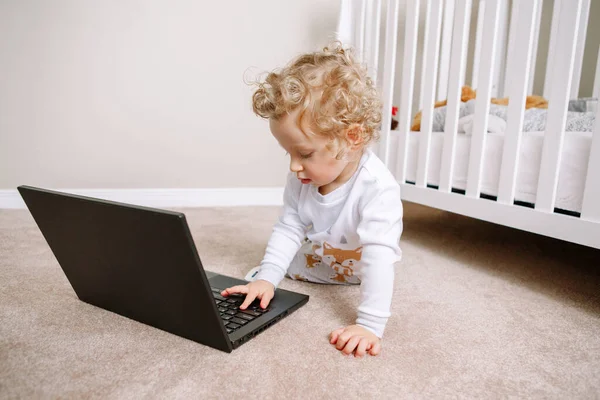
342	215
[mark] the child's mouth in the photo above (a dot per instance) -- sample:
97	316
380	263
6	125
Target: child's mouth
305	181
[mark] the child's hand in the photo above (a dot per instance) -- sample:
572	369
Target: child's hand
355	337
259	289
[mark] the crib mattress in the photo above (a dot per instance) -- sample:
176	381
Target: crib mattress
572	173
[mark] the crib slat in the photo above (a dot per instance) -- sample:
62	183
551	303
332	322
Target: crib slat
428	24
581	35
459	45
596	92
430	63
590	209
552	48
359	38
375	35
536	37
463	73
524	11
498	87
557	106
445	50
512	39
345	22
373	17
391	35
368	43
482	102
411	29
478	37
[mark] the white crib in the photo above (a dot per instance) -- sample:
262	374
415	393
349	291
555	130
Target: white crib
511	178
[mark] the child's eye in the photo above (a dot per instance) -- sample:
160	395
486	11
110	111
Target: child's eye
305	156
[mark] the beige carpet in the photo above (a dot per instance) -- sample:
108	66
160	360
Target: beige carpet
480	311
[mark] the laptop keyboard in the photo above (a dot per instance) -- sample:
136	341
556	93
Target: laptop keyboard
229	310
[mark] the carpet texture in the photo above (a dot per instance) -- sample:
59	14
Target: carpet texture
479	311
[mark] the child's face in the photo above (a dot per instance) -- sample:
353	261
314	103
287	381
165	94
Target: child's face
311	160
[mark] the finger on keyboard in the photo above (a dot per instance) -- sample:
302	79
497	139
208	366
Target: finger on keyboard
266	299
235	289
249	299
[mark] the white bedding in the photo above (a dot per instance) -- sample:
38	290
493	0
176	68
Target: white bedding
571	180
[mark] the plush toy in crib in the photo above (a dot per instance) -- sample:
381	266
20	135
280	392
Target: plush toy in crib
467	93
394	120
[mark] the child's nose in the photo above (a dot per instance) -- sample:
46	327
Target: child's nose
295	166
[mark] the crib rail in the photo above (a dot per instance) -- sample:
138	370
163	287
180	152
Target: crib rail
520	60
537	20
430	69
596	92
388	76
590	209
557	106
503	63
486	72
411	27
457	68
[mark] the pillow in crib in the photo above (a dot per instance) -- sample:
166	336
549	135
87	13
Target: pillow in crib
535	120
495	124
584	104
439	117
497	110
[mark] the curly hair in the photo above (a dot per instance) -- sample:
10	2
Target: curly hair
332	91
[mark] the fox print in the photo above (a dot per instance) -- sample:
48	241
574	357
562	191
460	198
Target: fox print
312	260
341	261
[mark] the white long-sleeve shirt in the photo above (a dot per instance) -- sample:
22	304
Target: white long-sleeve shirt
361	217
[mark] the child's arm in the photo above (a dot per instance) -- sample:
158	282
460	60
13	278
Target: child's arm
379	230
286	239
283	245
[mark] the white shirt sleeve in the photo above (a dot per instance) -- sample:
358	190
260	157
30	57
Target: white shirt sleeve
379	230
286	239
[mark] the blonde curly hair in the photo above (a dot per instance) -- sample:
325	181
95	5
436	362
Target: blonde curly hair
331	89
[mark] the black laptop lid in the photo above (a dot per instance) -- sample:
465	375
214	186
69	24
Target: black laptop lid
135	261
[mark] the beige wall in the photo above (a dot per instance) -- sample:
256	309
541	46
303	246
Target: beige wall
144	94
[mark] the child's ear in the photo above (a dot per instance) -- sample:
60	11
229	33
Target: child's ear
353	135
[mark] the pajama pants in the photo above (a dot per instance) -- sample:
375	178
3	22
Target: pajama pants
328	268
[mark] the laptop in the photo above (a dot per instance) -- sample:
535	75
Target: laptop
142	263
